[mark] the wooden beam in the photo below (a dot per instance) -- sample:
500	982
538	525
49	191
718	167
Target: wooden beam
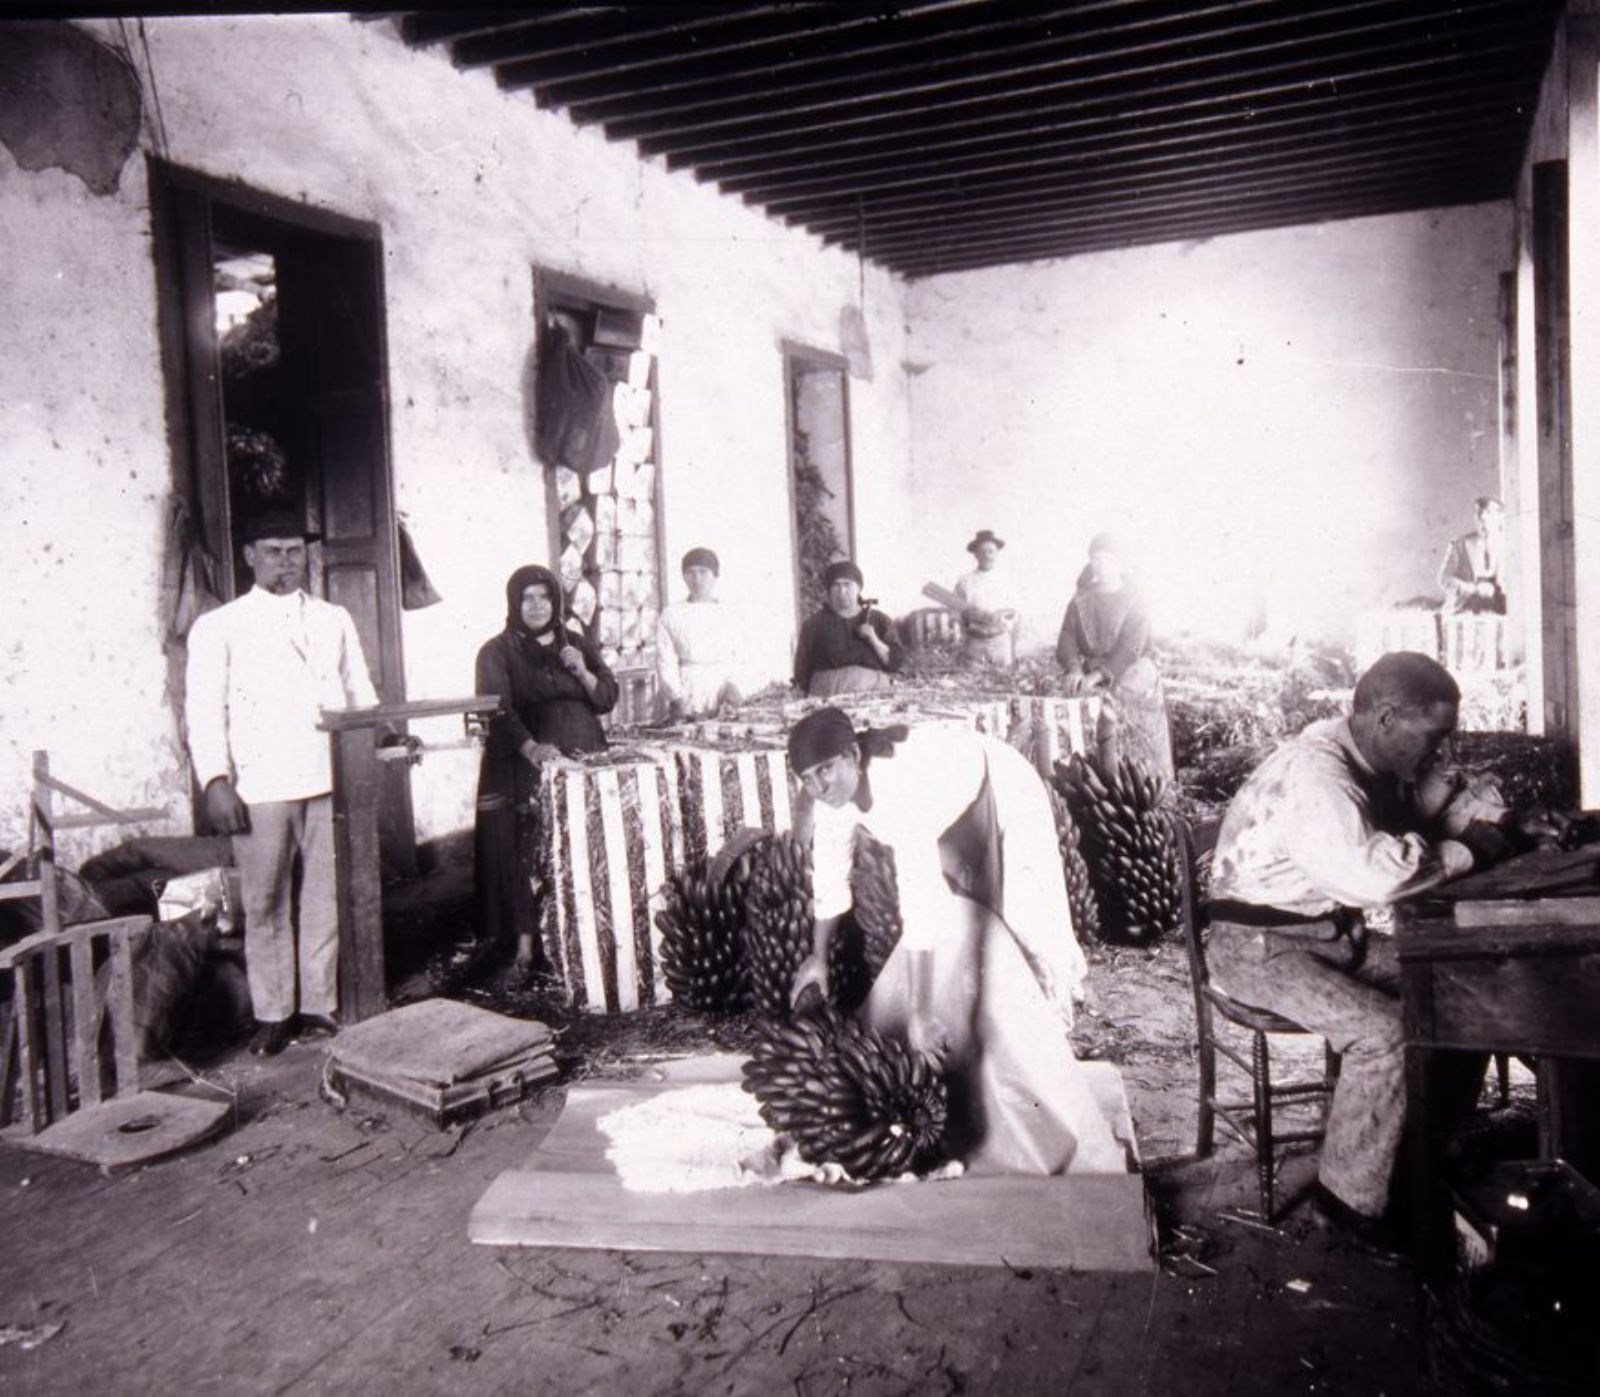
1442	137
841	103
1241	131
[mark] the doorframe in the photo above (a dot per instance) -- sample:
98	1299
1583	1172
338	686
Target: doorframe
182	203
795	352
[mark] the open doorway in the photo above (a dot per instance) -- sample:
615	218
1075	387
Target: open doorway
273	333
823	514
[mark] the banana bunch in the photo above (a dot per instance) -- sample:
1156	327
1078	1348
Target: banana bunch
1132	851
876	896
1080	887
778	922
702	941
847	1095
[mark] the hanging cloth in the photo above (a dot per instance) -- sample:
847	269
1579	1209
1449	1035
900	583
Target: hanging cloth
416	589
575	425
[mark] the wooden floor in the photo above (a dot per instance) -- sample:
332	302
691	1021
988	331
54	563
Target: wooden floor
320	1250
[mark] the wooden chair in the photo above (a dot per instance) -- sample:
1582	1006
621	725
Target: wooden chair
69	1059
1251	1120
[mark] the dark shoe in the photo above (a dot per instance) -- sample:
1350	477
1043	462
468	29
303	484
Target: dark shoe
1377	1237
313	1026
270	1039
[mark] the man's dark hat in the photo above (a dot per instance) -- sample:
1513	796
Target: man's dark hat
277	523
843	568
985	536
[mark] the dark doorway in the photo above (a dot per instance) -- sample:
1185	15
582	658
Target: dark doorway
272	327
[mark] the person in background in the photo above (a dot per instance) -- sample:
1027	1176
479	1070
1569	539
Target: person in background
982	980
1352	814
990	613
260	672
1104	648
848	647
695	650
1470	573
553	687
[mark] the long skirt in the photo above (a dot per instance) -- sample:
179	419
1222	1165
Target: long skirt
1020	1101
505	869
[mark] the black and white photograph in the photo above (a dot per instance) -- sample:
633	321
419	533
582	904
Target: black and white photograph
801	698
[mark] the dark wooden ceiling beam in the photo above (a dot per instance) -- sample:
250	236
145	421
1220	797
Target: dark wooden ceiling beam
1296	206
1111	133
1391	126
1201	228
960	201
1112	207
742	46
423	27
1061	69
594	42
937	118
881	42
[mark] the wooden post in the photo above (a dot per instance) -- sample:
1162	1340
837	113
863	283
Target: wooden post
357	787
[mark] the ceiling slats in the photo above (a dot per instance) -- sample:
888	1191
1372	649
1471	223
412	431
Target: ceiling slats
946	135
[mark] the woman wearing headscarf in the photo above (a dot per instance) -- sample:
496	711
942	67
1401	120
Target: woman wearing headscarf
982	979
847	647
695	645
553	687
1104	647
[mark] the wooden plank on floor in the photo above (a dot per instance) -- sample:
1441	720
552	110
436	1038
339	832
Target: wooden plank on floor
568	1194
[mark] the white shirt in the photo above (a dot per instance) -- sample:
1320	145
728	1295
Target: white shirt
990	591
1301	834
917	793
261	671
695	654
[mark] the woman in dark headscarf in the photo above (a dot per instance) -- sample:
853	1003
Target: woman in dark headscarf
982	979
553	686
1104	647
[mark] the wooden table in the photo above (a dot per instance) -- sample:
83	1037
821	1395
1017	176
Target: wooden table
1511	974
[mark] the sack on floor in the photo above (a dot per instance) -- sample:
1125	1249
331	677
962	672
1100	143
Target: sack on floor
167	961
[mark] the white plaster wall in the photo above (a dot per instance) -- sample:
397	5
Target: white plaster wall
1299	417
472	188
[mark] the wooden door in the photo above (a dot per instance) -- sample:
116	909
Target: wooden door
330	405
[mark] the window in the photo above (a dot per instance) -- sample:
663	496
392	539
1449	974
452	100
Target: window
597	432
819	468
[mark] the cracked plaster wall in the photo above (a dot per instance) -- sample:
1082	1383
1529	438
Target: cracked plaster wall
472	188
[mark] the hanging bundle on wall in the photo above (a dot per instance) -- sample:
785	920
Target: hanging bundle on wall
575	425
416	588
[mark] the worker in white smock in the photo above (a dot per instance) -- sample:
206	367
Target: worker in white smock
695	645
990	610
982	980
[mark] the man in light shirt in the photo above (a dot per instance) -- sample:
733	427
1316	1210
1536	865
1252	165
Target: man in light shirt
990	613
261	670
1354	813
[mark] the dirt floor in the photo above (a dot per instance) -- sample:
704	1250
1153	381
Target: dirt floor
323	1248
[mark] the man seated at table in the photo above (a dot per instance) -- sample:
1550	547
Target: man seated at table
1353	813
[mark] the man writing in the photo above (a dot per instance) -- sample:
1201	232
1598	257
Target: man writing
1353	813
261	670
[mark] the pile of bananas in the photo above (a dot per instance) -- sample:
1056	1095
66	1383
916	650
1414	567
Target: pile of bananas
1080	887
778	923
1131	847
702	936
847	1095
